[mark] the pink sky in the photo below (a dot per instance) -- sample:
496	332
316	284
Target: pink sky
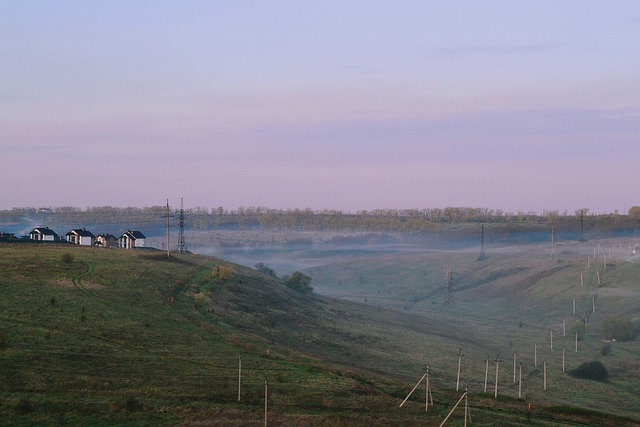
522	107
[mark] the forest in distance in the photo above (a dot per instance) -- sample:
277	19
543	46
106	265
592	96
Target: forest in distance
451	219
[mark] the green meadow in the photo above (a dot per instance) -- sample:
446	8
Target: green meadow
94	336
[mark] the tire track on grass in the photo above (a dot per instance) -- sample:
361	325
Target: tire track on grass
77	282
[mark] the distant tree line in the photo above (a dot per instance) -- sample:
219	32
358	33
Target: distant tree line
378	220
106	218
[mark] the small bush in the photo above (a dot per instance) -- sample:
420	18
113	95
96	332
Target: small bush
299	282
133	405
594	371
605	349
619	327
199	299
67	258
25	406
580	329
266	270
223	272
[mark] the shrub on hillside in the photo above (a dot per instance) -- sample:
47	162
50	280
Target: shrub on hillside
67	258
299	282
200	299
266	270
133	405
619	327
25	406
222	272
580	329
594	371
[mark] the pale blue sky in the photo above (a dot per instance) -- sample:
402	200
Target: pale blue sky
527	105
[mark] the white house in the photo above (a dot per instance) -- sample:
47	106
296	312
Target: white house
43	234
131	239
80	236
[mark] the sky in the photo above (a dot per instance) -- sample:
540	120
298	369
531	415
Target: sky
336	104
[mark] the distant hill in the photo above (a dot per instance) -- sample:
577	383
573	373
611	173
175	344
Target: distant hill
452	225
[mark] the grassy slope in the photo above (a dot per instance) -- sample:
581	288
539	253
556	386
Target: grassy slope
116	337
512	302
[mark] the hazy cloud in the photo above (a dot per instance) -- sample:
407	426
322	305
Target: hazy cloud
494	50
361	70
392	105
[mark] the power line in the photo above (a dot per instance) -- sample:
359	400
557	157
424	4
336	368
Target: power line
168	216
182	247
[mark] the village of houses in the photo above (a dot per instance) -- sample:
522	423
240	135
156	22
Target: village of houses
83	237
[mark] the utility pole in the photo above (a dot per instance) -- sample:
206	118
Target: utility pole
447	284
181	244
414	388
428	392
514	367
466	406
552	241
486	375
586	327
496	386
482	256
239	374
466	409
265	402
459	362
520	383
168	215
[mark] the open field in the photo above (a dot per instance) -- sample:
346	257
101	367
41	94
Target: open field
519	300
94	336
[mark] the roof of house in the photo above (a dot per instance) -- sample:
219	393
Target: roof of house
81	232
106	236
135	234
44	231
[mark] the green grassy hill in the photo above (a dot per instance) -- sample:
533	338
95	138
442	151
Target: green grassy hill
110	337
518	300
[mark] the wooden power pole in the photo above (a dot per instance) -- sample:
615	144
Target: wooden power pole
168	215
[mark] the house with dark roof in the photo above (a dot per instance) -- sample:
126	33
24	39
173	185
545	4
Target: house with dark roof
5	237
131	239
106	240
43	234
80	236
